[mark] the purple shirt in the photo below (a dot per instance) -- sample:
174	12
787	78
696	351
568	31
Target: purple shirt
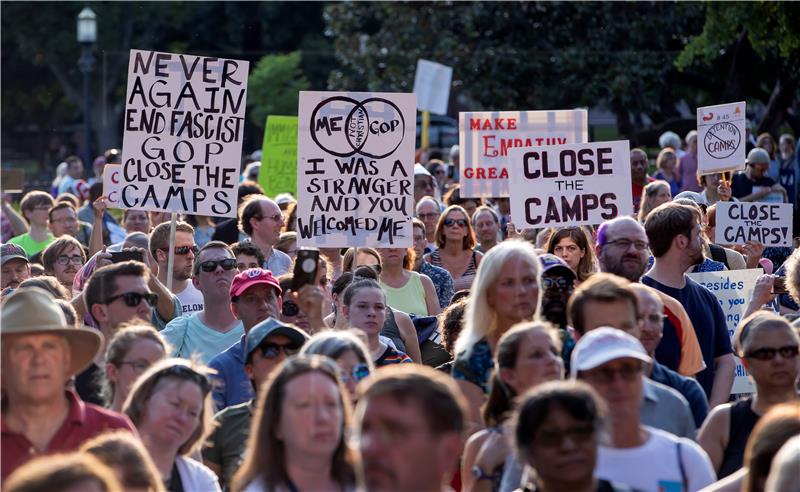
688	167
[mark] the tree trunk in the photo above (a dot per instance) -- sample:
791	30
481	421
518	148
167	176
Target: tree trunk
779	101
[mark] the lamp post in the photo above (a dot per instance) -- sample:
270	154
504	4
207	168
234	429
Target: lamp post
87	35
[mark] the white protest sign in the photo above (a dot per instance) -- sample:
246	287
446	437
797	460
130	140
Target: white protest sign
184	124
355	169
432	86
112	185
766	223
485	138
720	138
563	185
732	289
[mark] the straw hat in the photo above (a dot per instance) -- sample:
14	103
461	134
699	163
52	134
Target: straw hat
31	311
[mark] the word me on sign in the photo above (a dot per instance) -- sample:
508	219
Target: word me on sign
766	223
565	185
278	173
355	167
720	138
485	139
184	123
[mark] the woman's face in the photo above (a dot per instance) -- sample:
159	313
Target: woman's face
569	251
668	163
311	416
173	412
767	145
142	354
514	295
457	230
564	449
778	371
66	273
347	363
366	259
367	310
137	221
470	207
392	256
537	361
663	195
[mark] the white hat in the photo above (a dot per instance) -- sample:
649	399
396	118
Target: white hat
602	345
420	169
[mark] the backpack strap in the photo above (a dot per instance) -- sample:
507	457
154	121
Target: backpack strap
718	254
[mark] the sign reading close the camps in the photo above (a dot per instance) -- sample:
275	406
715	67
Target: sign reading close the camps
720	138
432	86
355	169
485	139
184	124
278	173
112	184
564	185
766	223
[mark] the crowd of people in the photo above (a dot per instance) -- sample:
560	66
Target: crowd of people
485	357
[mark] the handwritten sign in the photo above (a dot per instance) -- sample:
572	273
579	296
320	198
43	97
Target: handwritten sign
732	289
720	138
355	169
112	185
563	185
278	173
766	223
432	86
485	139
184	123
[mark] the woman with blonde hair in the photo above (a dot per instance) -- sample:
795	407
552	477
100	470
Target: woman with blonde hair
654	194
126	455
667	169
349	350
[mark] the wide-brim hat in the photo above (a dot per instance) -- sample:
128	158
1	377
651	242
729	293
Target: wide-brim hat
32	311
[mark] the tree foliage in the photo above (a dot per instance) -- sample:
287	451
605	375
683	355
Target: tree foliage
274	85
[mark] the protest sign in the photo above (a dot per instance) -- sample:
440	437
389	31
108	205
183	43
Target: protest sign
112	185
732	289
355	169
184	123
278	173
486	137
720	138
766	223
432	86
562	185
12	180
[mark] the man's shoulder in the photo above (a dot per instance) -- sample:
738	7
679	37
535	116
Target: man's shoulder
664	394
177	325
230	355
234	412
97	416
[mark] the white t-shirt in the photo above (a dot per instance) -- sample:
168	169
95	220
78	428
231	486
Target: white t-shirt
195	475
191	299
654	465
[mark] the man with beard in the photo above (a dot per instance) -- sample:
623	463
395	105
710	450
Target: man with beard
185	252
16	267
558	282
622	249
676	241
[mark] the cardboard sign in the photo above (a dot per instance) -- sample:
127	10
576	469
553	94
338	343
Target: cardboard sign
566	185
485	139
12	180
721	138
355	169
184	124
278	173
766	223
112	185
732	289
432	86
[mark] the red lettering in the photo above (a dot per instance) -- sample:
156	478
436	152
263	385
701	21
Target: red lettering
474	124
512	124
504	173
481	173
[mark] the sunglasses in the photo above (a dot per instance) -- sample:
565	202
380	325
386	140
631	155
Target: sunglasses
187	373
271	350
556	283
769	353
184	250
451	222
290	308
552	438
133	299
359	372
211	265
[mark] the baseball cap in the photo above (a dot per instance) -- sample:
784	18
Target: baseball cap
420	169
602	345
269	327
758	156
12	252
552	262
693	196
251	277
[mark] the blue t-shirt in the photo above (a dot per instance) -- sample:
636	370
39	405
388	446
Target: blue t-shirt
688	387
190	336
709	323
231	384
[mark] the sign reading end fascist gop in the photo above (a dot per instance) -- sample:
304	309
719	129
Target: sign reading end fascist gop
355	169
184	123
563	185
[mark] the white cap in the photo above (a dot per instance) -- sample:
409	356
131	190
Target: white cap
420	169
602	345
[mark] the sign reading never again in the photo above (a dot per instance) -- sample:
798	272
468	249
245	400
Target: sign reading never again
355	166
184	123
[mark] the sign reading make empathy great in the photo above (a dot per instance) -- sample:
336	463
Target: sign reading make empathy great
184	124
355	169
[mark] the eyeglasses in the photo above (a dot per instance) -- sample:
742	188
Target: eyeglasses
769	353
626	244
273	218
184	250
552	438
451	222
66	260
138	366
270	350
655	318
211	265
605	375
186	372
556	282
359	372
133	299
429	216
290	308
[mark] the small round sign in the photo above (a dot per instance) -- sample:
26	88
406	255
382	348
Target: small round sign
722	140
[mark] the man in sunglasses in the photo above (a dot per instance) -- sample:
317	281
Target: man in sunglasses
262	220
185	252
208	332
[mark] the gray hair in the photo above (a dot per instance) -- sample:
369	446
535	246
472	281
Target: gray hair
335	343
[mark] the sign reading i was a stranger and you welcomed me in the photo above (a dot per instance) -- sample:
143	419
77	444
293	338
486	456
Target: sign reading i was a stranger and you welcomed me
278	173
486	137
767	223
570	185
355	169
720	138
184	124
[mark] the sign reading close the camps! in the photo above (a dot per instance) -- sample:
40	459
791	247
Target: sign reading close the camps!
184	124
485	139
566	185
720	138
766	223
278	173
112	184
355	169
432	86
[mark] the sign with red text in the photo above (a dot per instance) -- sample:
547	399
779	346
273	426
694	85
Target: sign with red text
355	169
720	138
485	138
569	185
112	185
184	124
767	223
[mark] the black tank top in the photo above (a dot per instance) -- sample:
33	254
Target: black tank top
743	419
